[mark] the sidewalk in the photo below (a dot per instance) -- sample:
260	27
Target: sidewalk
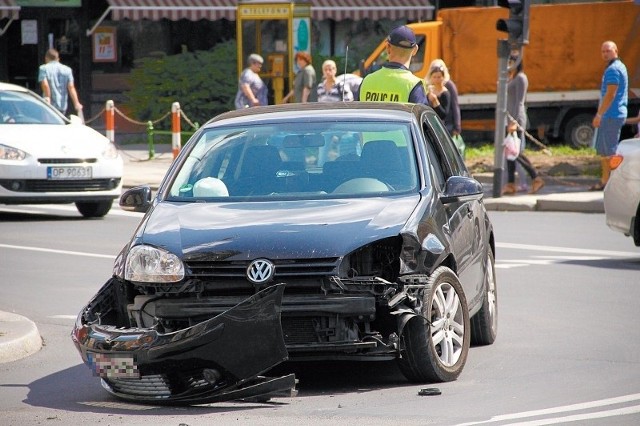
19	336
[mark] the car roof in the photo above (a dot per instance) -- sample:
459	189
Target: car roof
375	111
12	87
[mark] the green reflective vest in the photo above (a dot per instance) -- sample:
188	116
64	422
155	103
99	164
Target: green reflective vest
388	85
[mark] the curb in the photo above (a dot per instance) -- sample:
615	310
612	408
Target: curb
19	337
578	202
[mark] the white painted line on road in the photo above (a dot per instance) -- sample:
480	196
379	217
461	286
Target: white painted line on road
119	405
46	250
607	253
71	317
580	417
568	408
507	264
43	208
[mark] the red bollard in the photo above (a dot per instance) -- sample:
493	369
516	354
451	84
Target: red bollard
175	128
109	120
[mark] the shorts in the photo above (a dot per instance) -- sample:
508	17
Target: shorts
608	136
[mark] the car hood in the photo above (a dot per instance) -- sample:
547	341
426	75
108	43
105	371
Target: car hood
54	140
276	229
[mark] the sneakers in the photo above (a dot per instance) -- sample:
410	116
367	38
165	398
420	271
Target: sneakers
536	185
509	189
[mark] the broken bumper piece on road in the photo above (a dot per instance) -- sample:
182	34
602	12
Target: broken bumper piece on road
219	359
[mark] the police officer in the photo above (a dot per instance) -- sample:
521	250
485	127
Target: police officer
393	82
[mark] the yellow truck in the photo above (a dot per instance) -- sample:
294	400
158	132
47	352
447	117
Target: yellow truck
562	61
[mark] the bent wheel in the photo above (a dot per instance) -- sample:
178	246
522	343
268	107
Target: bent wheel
436	351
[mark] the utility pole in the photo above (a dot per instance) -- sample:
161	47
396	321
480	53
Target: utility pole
517	28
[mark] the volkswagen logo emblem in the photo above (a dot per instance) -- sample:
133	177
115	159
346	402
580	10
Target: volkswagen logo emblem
260	271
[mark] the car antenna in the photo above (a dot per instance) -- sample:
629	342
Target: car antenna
344	76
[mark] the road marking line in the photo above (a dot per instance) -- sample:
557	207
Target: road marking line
505	264
566	408
43	208
592	252
71	317
67	252
579	417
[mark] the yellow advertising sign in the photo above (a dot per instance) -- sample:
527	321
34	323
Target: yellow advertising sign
263	11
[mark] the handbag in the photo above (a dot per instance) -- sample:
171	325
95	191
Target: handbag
511	146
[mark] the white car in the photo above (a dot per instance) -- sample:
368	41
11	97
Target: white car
622	193
46	158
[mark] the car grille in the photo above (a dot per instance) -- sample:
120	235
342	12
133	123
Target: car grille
160	385
284	268
66	160
43	185
298	330
154	385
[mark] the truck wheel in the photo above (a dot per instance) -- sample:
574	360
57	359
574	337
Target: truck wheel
94	208
484	324
435	345
579	131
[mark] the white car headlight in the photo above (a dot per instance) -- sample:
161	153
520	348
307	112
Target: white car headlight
111	152
10	153
149	264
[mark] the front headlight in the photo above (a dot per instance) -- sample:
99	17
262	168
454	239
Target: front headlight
110	152
10	153
152	265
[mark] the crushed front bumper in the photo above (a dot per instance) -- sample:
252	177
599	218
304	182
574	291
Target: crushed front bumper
215	360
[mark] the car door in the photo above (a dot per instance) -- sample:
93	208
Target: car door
464	217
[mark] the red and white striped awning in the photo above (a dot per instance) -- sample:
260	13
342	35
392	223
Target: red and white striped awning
174	10
412	10
9	9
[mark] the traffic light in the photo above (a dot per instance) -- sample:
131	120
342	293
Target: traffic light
517	25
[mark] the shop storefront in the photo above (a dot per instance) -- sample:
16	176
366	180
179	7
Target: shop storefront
102	39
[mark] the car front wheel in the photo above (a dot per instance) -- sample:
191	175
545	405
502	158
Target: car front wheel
94	208
436	344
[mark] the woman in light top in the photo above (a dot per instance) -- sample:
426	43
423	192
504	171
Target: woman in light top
331	90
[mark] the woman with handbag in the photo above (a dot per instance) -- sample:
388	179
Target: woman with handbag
516	94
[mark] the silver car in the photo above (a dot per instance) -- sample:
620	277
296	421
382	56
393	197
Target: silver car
622	193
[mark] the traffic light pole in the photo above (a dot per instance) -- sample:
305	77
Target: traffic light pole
501	117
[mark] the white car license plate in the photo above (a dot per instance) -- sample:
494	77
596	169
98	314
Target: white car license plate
62	172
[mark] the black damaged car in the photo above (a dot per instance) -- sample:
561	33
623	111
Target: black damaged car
348	231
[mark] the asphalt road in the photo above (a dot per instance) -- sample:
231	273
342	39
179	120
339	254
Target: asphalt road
568	347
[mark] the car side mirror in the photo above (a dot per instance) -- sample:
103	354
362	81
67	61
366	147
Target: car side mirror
461	188
136	199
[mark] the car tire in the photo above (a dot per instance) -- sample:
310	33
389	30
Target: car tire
579	131
435	345
484	324
94	208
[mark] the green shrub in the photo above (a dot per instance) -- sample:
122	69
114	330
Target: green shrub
203	82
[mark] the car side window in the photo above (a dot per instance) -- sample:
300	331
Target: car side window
434	158
450	158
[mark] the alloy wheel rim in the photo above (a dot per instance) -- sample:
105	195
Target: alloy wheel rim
447	324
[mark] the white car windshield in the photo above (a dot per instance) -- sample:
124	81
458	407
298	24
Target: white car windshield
24	108
299	161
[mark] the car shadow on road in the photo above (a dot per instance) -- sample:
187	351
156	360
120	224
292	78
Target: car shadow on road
76	389
39	217
631	263
338	377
